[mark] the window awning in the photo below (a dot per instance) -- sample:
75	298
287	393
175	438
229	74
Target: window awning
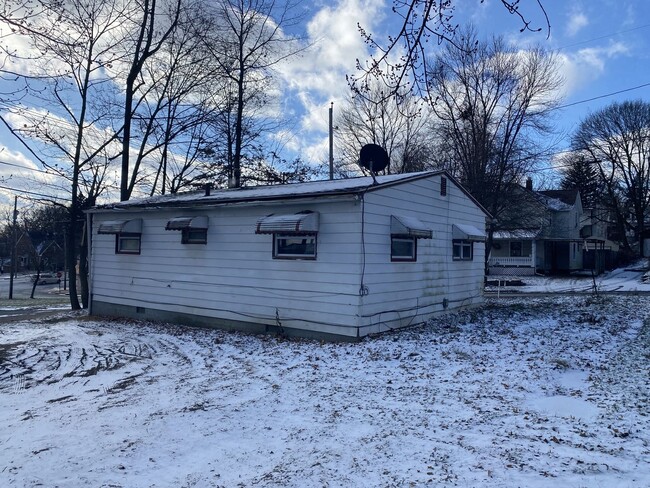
467	232
300	223
180	223
133	226
409	226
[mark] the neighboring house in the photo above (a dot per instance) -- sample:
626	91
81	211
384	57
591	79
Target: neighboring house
555	238
599	251
332	259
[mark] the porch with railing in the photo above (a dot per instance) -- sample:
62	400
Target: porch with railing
508	261
511	266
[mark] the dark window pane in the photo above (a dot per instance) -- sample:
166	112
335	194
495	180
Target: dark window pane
402	248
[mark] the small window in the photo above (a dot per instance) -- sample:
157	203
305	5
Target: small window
194	236
403	248
516	249
127	243
463	250
294	246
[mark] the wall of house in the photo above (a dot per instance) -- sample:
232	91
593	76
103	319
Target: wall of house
401	293
565	224
233	280
350	290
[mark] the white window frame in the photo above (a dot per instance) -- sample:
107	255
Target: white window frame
124	237
460	248
278	254
404	258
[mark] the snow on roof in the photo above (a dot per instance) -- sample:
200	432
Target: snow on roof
554	203
566	196
271	192
558	200
516	234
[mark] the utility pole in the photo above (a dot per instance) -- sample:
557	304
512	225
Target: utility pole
13	250
331	142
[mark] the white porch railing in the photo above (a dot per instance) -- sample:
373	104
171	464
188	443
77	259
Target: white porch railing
510	261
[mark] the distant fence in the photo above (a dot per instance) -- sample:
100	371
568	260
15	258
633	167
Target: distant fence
511	266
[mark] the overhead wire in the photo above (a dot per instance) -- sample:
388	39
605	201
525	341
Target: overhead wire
601	96
605	36
40	195
36	170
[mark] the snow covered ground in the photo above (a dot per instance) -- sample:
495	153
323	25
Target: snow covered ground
626	279
528	392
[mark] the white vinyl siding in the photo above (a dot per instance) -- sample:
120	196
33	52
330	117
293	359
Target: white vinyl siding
234	275
352	287
403	293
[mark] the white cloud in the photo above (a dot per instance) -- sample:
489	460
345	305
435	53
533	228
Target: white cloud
585	65
18	170
577	21
317	77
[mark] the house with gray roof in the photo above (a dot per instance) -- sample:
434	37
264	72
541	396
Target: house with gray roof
327	259
553	238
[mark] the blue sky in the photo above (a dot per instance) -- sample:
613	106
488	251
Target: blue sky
603	45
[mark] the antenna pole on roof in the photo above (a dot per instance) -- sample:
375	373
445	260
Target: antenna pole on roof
331	132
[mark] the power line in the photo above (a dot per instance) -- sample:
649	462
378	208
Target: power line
6	163
40	195
602	96
604	36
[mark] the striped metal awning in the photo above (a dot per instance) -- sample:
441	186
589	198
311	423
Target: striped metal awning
467	232
133	226
409	226
180	223
299	223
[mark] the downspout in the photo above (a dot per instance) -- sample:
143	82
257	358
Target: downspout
362	263
89	257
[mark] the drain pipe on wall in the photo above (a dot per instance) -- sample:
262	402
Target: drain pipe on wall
89	233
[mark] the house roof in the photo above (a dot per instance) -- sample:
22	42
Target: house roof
277	192
565	196
517	234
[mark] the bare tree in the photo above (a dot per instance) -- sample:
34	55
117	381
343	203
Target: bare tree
402	61
492	103
249	41
616	141
76	41
173	106
148	39
401	129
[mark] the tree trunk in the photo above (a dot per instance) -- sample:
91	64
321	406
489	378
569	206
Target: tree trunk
71	258
83	269
126	141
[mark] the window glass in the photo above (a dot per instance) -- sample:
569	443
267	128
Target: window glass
127	244
462	250
194	236
403	248
294	247
515	248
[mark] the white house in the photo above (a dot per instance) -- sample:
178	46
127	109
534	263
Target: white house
332	259
555	236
